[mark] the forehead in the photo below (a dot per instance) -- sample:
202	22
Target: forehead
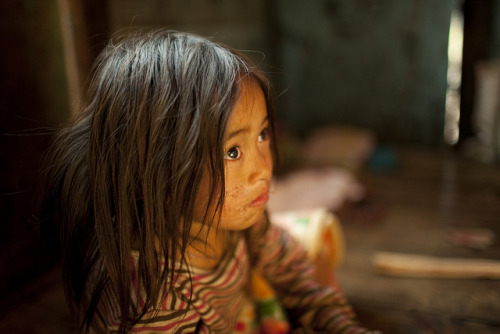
250	107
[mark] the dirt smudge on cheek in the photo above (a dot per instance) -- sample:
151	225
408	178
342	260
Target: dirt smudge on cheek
234	198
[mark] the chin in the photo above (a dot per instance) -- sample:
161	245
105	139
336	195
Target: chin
241	224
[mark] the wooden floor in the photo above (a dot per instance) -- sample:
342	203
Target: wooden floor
410	210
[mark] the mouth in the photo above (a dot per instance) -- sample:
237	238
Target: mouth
261	200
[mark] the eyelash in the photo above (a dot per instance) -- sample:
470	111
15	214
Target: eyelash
263	136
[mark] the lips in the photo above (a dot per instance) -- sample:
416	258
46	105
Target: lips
261	200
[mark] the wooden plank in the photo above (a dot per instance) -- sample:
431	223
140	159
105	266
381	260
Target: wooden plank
408	265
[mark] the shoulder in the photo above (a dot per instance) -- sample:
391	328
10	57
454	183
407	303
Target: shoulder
270	244
196	286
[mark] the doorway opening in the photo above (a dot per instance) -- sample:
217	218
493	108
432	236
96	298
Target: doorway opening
454	76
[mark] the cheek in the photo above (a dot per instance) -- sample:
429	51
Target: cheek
233	196
234	186
234	206
270	161
202	199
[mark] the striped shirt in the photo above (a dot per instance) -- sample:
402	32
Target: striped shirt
210	301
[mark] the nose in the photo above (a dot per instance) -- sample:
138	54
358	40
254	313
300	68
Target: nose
261	165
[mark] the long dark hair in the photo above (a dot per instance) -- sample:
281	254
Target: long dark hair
127	169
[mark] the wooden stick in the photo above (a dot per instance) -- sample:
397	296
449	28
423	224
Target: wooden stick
407	265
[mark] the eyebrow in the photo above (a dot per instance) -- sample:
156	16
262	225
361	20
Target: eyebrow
243	130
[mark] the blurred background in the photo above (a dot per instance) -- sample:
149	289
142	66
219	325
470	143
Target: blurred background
403	95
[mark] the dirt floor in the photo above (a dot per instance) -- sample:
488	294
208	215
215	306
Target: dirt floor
411	208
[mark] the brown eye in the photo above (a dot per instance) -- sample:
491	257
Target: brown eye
233	153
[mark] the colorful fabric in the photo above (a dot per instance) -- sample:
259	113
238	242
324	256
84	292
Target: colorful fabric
270	316
220	301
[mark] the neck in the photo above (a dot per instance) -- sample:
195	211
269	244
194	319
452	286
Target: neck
207	246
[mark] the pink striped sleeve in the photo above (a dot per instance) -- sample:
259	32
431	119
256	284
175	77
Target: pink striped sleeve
284	263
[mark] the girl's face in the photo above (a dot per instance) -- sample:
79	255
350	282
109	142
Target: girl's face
247	161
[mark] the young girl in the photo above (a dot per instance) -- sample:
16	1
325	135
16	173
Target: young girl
156	195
